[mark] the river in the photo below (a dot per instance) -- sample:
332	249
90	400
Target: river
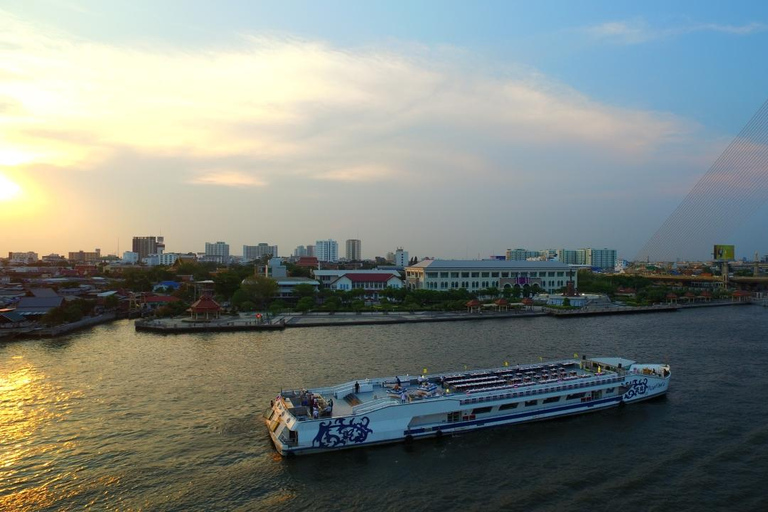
113	419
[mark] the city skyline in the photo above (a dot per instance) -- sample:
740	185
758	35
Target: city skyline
449	129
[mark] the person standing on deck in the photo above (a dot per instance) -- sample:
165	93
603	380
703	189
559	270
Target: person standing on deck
357	387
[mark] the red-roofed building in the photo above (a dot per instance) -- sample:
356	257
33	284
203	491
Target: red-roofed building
371	282
151	301
205	308
307	261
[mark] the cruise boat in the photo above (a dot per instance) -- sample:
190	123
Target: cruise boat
404	408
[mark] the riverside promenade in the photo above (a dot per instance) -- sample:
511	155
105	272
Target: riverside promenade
249	322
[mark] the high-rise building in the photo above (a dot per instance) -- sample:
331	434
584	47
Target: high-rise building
571	257
146	245
601	258
401	258
218	252
310	251
300	251
256	252
327	250
354	250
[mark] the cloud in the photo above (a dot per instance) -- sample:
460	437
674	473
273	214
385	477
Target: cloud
298	107
228	179
638	31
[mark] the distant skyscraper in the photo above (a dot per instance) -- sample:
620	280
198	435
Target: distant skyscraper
401	257
146	245
354	250
327	250
300	251
256	252
310	250
218	252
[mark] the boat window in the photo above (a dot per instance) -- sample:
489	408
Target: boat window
551	399
609	390
454	416
504	407
481	410
529	403
575	396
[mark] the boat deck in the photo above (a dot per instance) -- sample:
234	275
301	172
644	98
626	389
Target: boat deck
358	397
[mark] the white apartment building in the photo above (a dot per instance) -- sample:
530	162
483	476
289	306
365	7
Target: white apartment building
130	257
218	252
327	250
401	258
474	275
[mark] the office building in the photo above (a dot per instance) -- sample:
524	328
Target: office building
475	275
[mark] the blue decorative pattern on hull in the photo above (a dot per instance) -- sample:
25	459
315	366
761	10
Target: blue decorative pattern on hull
636	387
337	433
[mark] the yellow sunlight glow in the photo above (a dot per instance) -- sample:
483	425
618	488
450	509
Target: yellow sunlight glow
8	189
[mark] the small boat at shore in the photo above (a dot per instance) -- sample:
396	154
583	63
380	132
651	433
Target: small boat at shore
404	408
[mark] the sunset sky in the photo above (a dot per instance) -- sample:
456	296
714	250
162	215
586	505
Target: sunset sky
453	129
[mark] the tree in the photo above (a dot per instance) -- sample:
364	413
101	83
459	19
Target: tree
260	289
304	290
305	304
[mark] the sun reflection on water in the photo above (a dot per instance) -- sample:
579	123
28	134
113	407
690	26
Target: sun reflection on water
30	408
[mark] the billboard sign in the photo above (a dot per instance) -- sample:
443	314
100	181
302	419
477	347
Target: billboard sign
724	252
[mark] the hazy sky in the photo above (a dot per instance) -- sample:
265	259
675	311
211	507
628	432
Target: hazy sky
453	129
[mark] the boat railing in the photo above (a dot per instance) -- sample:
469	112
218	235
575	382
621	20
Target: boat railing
564	387
374	405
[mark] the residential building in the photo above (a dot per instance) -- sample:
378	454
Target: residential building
604	259
146	245
475	275
54	258
130	258
401	258
217	252
300	251
22	257
256	252
85	256
311	251
571	257
164	259
327	250
522	254
354	250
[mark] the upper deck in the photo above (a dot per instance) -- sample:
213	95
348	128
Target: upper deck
364	396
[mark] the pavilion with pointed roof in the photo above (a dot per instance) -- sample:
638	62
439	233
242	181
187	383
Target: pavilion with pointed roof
205	308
